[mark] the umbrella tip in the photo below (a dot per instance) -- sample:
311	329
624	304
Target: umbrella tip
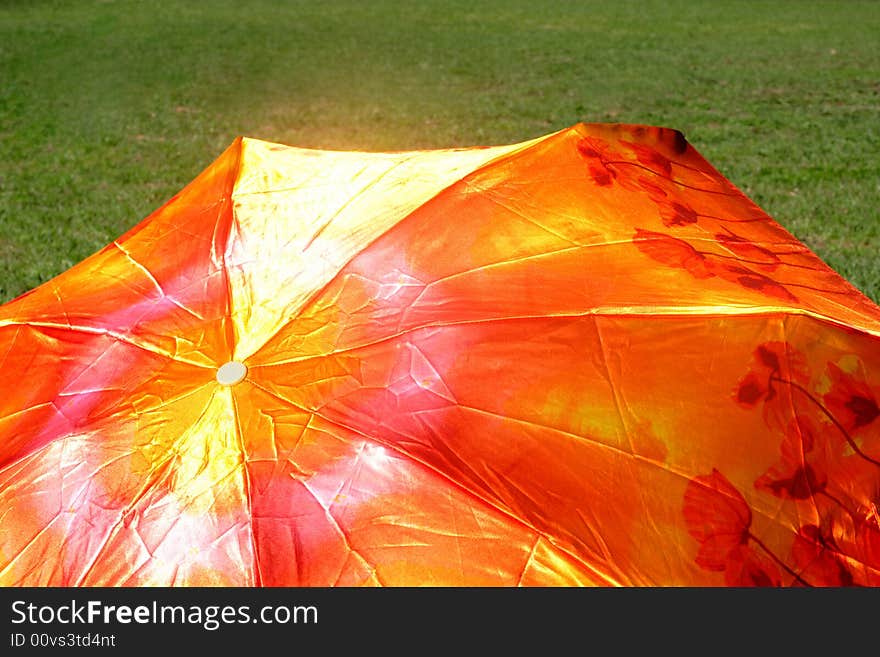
231	373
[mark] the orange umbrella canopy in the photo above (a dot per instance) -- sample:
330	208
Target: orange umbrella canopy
584	359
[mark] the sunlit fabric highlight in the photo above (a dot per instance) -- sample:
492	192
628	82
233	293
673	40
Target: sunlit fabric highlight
583	360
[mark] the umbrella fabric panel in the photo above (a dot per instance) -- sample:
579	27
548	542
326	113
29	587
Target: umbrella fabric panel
129	316
314	505
594	429
147	497
331	506
534	233
161	287
584	359
300	215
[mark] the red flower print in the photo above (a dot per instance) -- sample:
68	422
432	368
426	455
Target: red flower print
747	249
607	166
775	363
850	405
672	251
672	212
819	559
802	472
867	552
655	191
851	400
750	279
677	214
856	544
600	158
746	567
676	252
650	158
717	516
752	389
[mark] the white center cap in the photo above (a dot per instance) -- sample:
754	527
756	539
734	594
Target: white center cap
231	373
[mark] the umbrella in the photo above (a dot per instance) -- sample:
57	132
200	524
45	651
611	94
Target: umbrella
586	359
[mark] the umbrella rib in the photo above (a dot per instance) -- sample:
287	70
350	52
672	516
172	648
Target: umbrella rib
39	448
246	481
11	344
529	560
139	266
227	281
145	346
506	512
341	532
227	203
20	552
623	311
373	572
354	197
494	265
492	197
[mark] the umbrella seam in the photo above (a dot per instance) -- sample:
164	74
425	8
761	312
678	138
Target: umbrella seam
246	481
120	337
669	312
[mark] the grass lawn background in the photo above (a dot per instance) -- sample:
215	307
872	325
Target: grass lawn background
107	108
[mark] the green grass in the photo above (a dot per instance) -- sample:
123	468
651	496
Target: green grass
108	108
